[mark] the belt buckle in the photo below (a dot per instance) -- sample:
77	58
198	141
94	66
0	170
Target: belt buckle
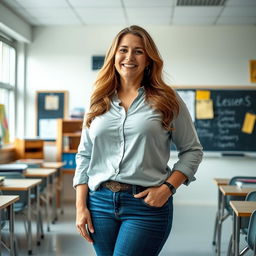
114	186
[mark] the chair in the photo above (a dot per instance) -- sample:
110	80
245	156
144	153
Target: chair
21	205
227	207
250	232
244	224
251	236
5	217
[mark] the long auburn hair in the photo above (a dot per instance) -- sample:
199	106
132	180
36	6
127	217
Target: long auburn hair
158	94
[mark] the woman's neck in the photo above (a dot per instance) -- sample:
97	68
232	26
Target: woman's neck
128	86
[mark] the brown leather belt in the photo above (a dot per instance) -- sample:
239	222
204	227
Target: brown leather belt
115	186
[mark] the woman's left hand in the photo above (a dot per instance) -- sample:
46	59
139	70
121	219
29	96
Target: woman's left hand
155	196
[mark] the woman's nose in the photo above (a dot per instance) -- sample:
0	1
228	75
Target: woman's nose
129	55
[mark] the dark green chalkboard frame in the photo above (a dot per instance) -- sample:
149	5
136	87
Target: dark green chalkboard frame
230	105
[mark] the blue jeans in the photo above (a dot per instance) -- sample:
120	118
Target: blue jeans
127	226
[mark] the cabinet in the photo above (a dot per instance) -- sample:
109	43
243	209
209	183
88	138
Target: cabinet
68	138
29	148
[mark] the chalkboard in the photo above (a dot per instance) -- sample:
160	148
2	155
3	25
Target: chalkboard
50	105
223	133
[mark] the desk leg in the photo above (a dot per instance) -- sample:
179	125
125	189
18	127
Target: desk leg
59	191
233	234
217	219
221	213
54	199
29	224
38	215
11	229
48	203
237	235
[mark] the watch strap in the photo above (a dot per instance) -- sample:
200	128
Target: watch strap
170	186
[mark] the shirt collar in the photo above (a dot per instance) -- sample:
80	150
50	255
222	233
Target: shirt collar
115	98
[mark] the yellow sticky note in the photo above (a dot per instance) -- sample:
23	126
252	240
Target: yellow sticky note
204	109
249	122
203	95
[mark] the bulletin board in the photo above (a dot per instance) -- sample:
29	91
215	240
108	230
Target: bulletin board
50	105
225	119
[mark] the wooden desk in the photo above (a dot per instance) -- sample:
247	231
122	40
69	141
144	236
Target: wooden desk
46	174
30	161
241	209
218	182
6	202
228	190
221	181
56	165
25	185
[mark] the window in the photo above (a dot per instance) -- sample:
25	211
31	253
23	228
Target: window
7	90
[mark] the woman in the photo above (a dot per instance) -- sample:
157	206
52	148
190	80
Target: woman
124	186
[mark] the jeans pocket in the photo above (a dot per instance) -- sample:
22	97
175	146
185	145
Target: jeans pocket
156	207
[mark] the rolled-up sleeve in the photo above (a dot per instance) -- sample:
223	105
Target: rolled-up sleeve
185	138
83	158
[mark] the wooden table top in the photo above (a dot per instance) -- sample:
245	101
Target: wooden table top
19	184
53	164
243	208
30	161
221	181
39	172
6	200
229	190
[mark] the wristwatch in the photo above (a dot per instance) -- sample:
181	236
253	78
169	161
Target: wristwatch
171	187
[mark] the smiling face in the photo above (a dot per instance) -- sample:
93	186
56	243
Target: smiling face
131	58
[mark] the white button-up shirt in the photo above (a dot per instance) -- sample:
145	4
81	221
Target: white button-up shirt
133	147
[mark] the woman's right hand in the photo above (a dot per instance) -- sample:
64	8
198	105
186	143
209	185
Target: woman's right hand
83	219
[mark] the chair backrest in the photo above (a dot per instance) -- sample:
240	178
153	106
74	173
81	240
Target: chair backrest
237	178
252	231
233	181
251	196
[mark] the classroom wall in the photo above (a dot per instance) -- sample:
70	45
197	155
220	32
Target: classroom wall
59	58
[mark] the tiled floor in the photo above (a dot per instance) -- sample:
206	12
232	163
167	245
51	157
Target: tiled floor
191	235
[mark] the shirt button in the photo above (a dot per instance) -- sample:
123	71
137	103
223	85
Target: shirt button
117	170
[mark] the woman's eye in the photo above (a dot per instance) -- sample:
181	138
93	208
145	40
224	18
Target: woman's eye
138	52
122	50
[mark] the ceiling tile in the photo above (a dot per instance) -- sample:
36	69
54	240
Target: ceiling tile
197	11
151	13
239	11
51	12
53	21
96	3
148	3
240	2
44	3
101	15
236	21
156	16
192	21
147	21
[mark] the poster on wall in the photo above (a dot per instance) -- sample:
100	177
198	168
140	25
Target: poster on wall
4	130
50	106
